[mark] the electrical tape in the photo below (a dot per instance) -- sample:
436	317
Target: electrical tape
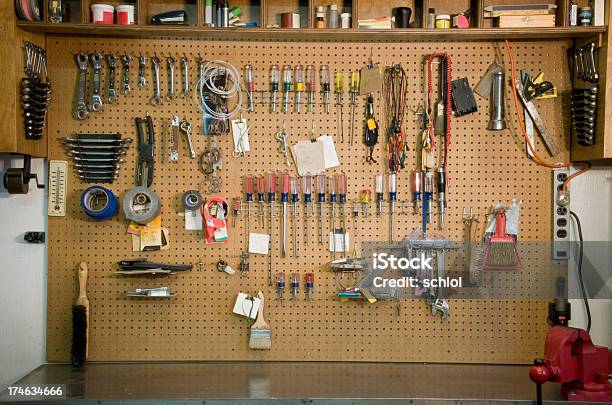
192	200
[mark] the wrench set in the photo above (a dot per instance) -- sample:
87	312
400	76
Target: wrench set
35	91
584	98
96	157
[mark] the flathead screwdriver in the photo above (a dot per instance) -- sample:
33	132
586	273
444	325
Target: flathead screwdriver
311	86
287	82
294	186
261	190
392	200
298	87
307	189
416	187
250	86
249	200
332	204
325	87
341	186
339	90
441	186
284	200
274	79
321	180
379	193
272	201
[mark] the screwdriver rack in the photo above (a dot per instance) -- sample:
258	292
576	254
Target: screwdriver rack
197	324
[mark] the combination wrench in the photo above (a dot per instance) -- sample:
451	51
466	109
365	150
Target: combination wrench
156	99
126	60
80	108
185	77
112	65
171	66
96	100
142	65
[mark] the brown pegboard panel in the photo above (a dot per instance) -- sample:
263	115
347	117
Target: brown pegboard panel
197	324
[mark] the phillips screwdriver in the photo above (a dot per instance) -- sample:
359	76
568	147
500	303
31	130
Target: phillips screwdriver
295	286
441	186
311	86
379	193
250	86
309	285
354	90
293	183
341	186
415	185
332	203
272	201
392	200
249	200
280	286
261	189
325	87
339	90
355	207
307	189
298	88
284	200
321	194
287	81
427	198
365	197
274	79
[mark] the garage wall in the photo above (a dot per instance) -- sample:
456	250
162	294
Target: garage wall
23	272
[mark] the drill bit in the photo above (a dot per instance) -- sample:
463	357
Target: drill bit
284	200
441	186
379	194
341	186
307	189
294	201
272	201
274	79
392	200
311	86
354	90
321	194
339	90
287	81
332	204
325	87
298	88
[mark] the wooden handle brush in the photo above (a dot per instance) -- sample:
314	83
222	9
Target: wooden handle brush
261	334
80	320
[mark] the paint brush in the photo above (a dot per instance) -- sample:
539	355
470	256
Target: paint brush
261	334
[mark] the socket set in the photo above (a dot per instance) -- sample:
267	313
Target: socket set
96	157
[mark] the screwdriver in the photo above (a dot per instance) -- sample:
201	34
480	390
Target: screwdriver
249	200
274	79
332	203
427	199
354	90
284	200
271	201
339	90
295	286
415	185
294	202
307	189
355	229
325	87
311	86
236	207
392	200
341	180
287	81
379	193
250	86
309	285
441	186
321	193
299	86
365	197
280	286
261	189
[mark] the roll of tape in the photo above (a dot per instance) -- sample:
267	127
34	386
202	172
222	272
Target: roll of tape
192	200
99	203
141	205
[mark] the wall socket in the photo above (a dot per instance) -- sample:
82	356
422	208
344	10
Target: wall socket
561	218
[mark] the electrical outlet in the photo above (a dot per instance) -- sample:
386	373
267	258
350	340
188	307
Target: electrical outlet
560	217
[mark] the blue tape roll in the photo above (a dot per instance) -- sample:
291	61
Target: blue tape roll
101	214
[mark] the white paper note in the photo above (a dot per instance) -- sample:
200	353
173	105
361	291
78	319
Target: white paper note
193	220
246	306
240	133
259	243
329	151
340	240
309	157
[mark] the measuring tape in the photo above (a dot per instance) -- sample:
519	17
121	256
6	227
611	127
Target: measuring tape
91	197
58	182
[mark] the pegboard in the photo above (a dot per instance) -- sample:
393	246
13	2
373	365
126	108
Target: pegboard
198	324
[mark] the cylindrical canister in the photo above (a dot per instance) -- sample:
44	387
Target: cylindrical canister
402	17
102	14
125	14
497	112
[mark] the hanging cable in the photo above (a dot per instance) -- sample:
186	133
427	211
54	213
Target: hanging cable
219	83
521	123
396	95
585	298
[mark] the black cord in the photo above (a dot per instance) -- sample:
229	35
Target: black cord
582	289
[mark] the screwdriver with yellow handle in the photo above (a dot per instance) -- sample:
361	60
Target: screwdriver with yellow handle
339	90
354	90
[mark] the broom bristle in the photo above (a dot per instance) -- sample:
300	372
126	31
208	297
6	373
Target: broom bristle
502	254
261	338
79	334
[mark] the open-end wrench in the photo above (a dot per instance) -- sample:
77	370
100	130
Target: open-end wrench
171	66
126	60
440	304
186	129
185	77
96	100
592	67
80	108
142	65
579	58
156	99
111	59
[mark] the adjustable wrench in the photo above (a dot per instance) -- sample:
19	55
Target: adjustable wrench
80	109
440	304
171	65
142	65
126	59
156	99
96	100
185	77
186	129
112	64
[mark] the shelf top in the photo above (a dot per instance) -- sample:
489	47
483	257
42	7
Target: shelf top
309	34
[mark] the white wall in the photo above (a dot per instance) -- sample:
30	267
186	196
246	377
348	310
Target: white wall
591	200
23	275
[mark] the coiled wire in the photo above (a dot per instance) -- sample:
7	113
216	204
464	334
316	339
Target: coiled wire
209	73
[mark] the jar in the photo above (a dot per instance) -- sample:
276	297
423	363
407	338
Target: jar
345	20
443	21
332	16
102	14
320	20
585	15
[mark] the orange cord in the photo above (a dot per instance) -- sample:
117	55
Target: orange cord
537	157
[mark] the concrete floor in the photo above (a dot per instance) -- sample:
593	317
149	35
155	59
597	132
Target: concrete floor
289	382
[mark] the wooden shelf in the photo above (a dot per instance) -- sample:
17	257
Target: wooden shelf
309	34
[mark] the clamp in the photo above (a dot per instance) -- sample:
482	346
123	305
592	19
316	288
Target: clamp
145	152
